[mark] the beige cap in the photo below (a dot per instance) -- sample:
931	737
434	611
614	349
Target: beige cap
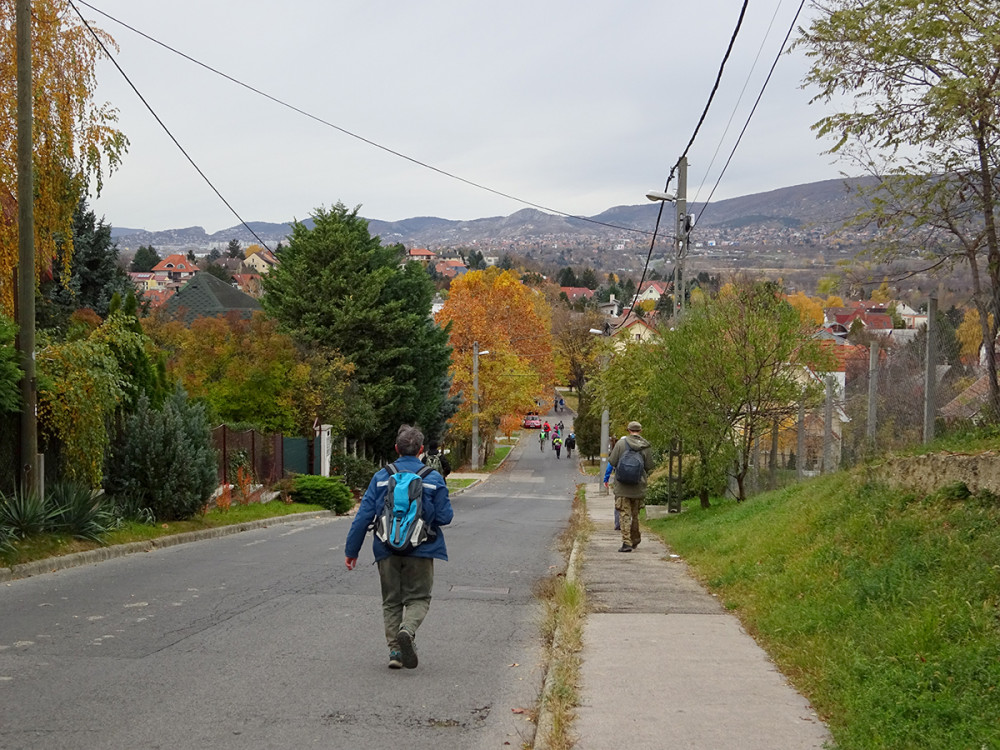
634	426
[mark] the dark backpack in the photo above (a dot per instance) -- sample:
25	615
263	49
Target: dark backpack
400	525
631	467
434	461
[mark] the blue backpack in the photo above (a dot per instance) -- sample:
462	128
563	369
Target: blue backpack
400	525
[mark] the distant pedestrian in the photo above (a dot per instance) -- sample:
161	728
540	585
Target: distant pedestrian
618	516
435	458
570	444
629	496
406	577
541	441
557	444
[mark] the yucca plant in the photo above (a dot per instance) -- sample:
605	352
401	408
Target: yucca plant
79	511
6	539
25	512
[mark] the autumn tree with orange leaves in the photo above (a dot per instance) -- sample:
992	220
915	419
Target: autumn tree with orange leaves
513	323
75	140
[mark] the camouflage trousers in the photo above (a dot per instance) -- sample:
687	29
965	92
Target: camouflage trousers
628	510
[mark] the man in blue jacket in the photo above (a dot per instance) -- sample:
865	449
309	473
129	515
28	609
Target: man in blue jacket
406	579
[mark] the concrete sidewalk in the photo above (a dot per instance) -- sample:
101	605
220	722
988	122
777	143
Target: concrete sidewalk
664	665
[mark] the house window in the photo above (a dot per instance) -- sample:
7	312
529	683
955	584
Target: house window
638	337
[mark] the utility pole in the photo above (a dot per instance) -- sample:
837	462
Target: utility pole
605	439
872	393
930	375
681	233
29	478
474	463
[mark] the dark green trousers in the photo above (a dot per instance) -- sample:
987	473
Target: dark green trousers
406	593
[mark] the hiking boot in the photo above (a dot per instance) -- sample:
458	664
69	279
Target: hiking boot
625	548
395	660
407	649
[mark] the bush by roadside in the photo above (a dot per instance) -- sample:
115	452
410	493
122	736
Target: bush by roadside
327	492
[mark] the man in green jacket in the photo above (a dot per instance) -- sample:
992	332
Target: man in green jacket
629	497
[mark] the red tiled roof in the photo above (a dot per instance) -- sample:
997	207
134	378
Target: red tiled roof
177	263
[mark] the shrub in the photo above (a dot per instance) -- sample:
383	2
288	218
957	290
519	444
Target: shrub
79	511
6	539
24	512
357	472
330	492
658	491
163	460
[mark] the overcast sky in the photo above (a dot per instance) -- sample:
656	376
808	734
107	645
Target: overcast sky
575	105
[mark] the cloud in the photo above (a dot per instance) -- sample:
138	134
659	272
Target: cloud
578	106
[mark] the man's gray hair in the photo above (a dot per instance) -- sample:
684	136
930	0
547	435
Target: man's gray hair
409	440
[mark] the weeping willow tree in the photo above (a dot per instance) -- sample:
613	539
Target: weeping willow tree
75	141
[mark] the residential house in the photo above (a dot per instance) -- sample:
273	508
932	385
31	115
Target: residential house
652	291
141	280
612	308
177	268
206	296
261	261
248	283
155	298
450	268
421	255
573	293
873	316
633	328
911	317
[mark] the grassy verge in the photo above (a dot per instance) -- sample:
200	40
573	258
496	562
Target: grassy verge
498	455
881	606
565	607
459	484
52	545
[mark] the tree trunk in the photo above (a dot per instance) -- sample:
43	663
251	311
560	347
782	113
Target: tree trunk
993	264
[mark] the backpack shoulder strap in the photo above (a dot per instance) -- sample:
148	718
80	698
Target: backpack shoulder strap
424	471
391	468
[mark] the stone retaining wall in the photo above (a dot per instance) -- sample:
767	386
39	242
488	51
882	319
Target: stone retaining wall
926	474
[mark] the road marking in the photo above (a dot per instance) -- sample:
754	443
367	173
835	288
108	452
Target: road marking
480	590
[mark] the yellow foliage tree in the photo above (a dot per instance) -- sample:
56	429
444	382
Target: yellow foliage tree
970	336
883	293
810	308
513	323
72	136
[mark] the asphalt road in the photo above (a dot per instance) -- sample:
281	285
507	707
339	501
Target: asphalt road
265	640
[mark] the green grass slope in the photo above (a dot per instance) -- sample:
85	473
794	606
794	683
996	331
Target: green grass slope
882	607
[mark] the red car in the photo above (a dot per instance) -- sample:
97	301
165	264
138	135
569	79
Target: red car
532	422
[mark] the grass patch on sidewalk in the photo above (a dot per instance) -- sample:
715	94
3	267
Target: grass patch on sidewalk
53	545
565	606
881	606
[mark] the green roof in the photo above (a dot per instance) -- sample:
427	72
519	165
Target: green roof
207	296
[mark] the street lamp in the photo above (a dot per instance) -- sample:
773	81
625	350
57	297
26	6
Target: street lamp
682	227
476	354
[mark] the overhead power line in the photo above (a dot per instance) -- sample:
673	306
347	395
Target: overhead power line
763	88
345	131
694	135
165	128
